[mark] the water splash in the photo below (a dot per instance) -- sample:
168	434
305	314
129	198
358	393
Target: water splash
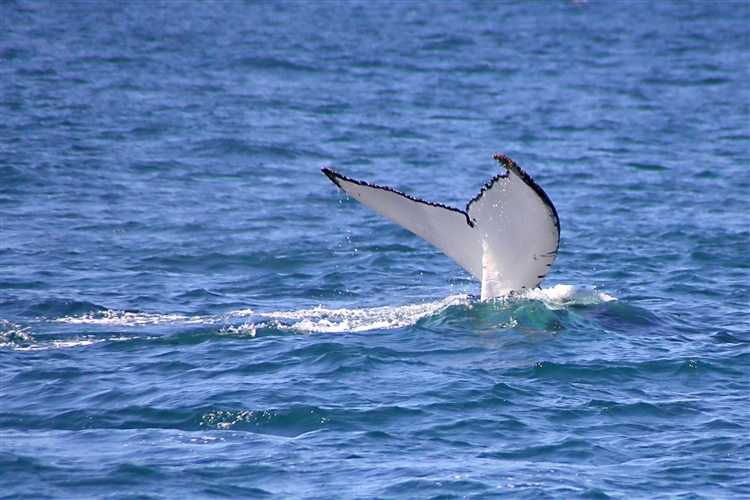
561	296
14	335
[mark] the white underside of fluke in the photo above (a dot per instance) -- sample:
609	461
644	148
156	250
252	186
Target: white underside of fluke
507	236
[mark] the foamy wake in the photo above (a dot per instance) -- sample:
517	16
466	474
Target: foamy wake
315	320
126	318
22	338
318	319
322	320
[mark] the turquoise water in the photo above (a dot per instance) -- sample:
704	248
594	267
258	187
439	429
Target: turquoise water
190	309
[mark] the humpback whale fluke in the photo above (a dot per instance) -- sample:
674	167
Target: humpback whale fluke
507	236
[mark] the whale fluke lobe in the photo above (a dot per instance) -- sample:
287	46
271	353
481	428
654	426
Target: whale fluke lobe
507	236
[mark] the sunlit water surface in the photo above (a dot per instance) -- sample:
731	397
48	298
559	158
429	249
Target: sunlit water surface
191	310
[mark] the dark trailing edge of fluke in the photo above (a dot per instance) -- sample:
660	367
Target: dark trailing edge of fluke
334	176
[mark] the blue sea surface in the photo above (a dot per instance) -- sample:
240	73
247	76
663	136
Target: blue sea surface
190	309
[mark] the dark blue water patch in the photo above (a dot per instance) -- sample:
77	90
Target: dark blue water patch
11	177
58	308
647	412
252	369
480	426
724	337
287	422
621	317
270	63
647	372
566	451
437	489
201	335
651	168
71	477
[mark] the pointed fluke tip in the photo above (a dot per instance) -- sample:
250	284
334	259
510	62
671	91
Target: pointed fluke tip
332	175
505	161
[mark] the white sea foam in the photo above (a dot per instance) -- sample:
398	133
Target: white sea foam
67	343
323	320
125	318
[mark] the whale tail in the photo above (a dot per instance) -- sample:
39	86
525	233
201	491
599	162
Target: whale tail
507	236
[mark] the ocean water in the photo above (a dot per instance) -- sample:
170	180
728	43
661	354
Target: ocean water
190	309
